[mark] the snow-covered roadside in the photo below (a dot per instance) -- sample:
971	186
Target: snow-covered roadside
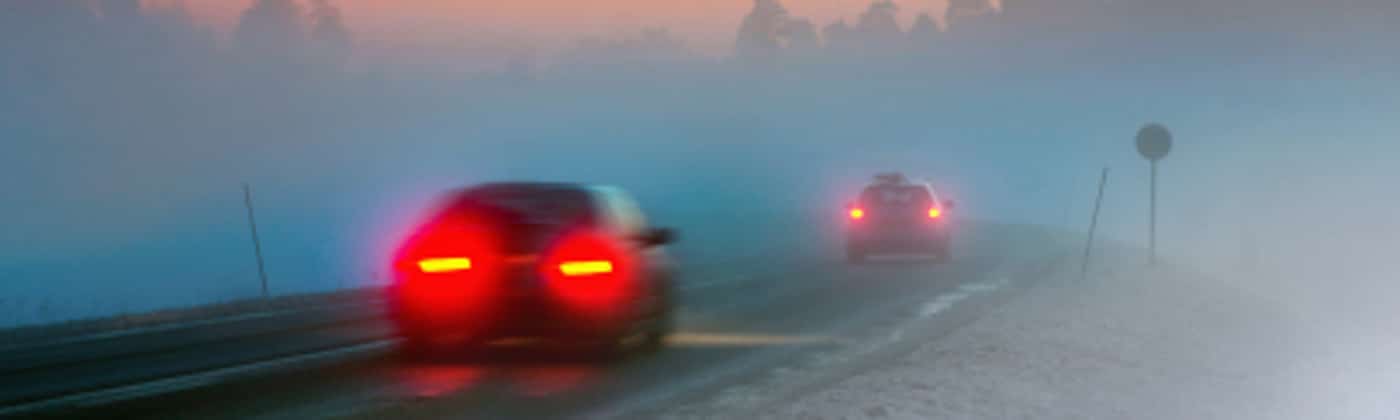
1127	343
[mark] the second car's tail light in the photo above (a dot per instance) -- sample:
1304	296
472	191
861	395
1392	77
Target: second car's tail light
590	271
935	212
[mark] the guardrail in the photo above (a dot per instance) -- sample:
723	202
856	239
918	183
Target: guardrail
90	365
46	374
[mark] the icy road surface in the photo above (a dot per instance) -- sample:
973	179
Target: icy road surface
1129	342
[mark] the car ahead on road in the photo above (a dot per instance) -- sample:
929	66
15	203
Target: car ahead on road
564	262
896	216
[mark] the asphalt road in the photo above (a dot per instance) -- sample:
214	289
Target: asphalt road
736	324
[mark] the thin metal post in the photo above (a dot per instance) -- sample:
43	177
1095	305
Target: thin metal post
1152	220
1093	225
257	244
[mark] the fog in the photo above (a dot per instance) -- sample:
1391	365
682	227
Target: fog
129	131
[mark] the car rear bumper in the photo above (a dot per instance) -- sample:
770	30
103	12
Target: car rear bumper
511	315
919	238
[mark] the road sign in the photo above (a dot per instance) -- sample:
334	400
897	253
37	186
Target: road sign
1154	142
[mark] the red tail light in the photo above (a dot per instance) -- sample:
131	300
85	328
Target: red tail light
448	265
444	265
585	268
935	212
446	268
857	213
445	248
589	270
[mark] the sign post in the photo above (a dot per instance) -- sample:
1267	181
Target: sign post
1153	143
1093	225
257	244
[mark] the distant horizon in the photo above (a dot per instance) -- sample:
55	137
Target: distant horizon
541	26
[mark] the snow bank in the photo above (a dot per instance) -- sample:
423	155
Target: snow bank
1128	343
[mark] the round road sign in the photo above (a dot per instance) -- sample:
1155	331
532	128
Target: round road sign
1154	142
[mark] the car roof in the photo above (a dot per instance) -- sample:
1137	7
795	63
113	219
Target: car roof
594	191
897	179
454	196
517	185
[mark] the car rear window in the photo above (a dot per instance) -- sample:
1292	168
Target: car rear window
527	217
529	205
896	196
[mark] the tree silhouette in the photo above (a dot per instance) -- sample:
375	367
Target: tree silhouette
879	25
924	28
839	35
759	33
924	33
330	39
801	36
270	35
963	10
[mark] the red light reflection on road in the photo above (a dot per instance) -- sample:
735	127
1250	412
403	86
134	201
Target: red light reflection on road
438	380
550	380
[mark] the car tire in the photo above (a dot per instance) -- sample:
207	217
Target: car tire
661	328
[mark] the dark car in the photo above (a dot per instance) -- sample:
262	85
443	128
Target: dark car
896	216
563	262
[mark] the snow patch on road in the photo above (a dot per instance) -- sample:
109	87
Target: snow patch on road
1145	346
984	287
1127	343
941	303
947	300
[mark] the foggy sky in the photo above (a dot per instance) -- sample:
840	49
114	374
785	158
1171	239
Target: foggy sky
129	136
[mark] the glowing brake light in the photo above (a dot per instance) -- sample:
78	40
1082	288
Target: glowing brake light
585	268
444	265
591	272
934	213
857	214
446	268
